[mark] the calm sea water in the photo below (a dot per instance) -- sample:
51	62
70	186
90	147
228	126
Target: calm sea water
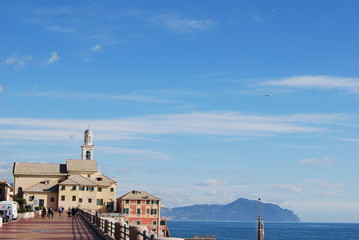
273	230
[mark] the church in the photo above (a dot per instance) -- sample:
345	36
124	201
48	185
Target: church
77	183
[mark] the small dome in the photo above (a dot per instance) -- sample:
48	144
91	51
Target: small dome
88	131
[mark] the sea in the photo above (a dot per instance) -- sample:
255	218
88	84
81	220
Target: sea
273	230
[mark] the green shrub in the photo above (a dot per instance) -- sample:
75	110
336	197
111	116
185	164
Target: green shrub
21	210
38	208
21	201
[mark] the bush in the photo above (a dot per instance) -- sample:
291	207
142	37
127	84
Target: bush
21	201
21	210
38	208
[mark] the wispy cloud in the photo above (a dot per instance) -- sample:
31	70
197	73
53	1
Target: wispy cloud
320	82
349	139
326	161
17	61
199	123
179	24
211	183
289	188
53	58
87	96
96	48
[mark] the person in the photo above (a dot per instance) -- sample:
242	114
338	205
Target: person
60	210
51	212
43	212
8	215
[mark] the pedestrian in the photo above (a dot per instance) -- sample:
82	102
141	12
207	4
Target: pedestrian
43	212
51	212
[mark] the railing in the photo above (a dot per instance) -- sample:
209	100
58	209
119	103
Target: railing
113	229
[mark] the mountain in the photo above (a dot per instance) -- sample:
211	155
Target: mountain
240	210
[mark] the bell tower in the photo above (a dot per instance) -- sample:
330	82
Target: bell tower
87	147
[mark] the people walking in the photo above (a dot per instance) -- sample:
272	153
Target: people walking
43	212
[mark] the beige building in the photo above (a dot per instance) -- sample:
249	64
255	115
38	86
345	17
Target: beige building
74	184
5	191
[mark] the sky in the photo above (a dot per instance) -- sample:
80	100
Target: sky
196	102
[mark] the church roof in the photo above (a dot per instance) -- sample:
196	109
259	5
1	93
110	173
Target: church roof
138	195
97	179
76	179
43	186
39	168
81	166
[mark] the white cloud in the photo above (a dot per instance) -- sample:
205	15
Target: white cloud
53	58
326	161
289	188
182	25
96	48
18	61
321	82
199	123
211	183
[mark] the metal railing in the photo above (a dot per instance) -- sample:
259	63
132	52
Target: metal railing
115	230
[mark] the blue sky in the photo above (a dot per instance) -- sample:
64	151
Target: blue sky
192	101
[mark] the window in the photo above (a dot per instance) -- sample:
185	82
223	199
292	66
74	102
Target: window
62	187
99	179
138	210
99	202
73	198
88	155
138	222
52	199
126	211
90	189
99	189
154	223
62	197
80	199
138	201
111	189
88	175
153	211
0	191
31	198
89	200
148	202
73	187
147	211
163	223
127	201
82	188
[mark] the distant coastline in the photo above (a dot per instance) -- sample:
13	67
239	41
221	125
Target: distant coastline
240	210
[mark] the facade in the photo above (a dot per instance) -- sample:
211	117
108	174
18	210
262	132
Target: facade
142	208
5	191
74	184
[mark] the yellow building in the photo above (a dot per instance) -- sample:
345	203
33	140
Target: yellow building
74	184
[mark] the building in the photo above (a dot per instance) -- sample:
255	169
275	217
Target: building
5	191
142	208
77	183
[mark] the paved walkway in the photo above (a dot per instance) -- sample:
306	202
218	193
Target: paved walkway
59	227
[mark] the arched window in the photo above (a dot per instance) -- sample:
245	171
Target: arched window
88	155
19	192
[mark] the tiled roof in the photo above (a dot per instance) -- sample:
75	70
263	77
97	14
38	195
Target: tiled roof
39	168
76	179
138	195
75	165
43	186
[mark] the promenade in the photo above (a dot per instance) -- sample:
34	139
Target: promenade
59	227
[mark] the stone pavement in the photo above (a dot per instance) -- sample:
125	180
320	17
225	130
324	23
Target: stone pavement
59	227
